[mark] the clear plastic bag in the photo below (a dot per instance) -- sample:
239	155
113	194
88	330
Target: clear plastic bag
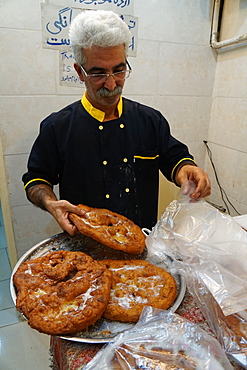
209	241
210	251
161	340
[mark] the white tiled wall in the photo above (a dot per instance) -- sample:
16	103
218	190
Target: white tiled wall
174	71
228	125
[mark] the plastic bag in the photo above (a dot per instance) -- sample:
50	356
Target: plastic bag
209	241
161	340
210	251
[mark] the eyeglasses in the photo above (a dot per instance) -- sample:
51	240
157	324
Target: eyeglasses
103	77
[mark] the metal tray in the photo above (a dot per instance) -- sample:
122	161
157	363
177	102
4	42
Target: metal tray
103	330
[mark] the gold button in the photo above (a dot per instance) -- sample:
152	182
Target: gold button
101	127
121	125
105	162
125	160
127	190
107	196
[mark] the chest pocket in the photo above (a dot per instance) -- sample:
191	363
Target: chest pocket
146	166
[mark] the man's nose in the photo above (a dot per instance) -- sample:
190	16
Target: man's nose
110	83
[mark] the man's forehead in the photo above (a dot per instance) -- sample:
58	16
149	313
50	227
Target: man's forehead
104	53
104	58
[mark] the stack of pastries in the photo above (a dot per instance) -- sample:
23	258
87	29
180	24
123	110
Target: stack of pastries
64	291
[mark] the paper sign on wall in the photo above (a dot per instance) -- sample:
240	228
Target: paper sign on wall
117	6
56	21
68	75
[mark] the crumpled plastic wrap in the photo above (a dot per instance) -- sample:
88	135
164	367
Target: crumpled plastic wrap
161	340
209	241
210	251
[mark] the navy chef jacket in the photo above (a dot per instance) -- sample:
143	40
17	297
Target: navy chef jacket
113	164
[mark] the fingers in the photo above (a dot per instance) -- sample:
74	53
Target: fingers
68	207
188	187
199	177
69	227
203	186
60	210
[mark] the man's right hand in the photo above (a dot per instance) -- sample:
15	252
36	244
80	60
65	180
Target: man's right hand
43	196
60	210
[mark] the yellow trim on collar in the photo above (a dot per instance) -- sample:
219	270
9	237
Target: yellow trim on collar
29	182
97	113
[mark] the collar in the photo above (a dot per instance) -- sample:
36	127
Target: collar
96	113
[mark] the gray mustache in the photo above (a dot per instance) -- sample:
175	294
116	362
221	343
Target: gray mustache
104	92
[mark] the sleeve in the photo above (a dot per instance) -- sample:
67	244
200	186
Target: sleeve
173	153
43	163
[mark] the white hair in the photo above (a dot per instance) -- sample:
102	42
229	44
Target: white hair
97	28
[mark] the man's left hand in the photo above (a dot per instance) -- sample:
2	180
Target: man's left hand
198	176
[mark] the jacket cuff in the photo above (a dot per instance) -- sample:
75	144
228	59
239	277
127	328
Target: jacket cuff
179	165
37	181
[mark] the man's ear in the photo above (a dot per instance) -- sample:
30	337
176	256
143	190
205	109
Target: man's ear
79	71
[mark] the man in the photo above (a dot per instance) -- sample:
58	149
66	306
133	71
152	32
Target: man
106	151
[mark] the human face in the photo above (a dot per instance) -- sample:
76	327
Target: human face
103	60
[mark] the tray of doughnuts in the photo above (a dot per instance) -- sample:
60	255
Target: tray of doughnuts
104	329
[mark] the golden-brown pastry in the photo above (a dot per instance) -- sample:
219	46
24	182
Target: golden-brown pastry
62	292
237	322
110	228
135	284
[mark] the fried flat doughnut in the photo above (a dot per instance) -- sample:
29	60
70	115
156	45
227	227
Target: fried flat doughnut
135	284
62	292
237	322
109	228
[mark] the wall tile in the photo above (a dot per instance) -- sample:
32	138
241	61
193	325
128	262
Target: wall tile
188	116
209	169
186	70
31	226
20	125
240	179
149	100
15	168
231	128
174	21
231	170
231	75
28	69
144	77
234	19
17	15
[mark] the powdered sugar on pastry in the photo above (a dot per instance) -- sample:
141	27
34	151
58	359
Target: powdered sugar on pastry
62	292
135	284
